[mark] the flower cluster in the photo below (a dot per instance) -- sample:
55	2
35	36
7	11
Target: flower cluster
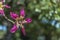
2	8
19	19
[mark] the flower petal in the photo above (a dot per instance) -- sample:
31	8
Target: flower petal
13	15
2	12
28	20
23	31
7	6
13	29
22	12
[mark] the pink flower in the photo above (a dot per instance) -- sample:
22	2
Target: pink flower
2	9
2	12
6	6
14	16
22	12
23	31
14	28
28	20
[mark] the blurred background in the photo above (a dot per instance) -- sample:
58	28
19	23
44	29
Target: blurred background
45	23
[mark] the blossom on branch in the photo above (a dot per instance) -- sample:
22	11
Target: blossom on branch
2	8
19	21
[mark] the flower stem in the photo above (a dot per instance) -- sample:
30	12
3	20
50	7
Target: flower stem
9	19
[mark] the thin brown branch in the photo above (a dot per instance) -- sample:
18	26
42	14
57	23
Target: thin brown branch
9	19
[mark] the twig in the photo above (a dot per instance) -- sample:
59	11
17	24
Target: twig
9	19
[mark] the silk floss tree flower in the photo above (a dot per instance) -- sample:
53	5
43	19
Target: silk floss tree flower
2	8
19	21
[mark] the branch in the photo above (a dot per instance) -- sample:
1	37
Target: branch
9	19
